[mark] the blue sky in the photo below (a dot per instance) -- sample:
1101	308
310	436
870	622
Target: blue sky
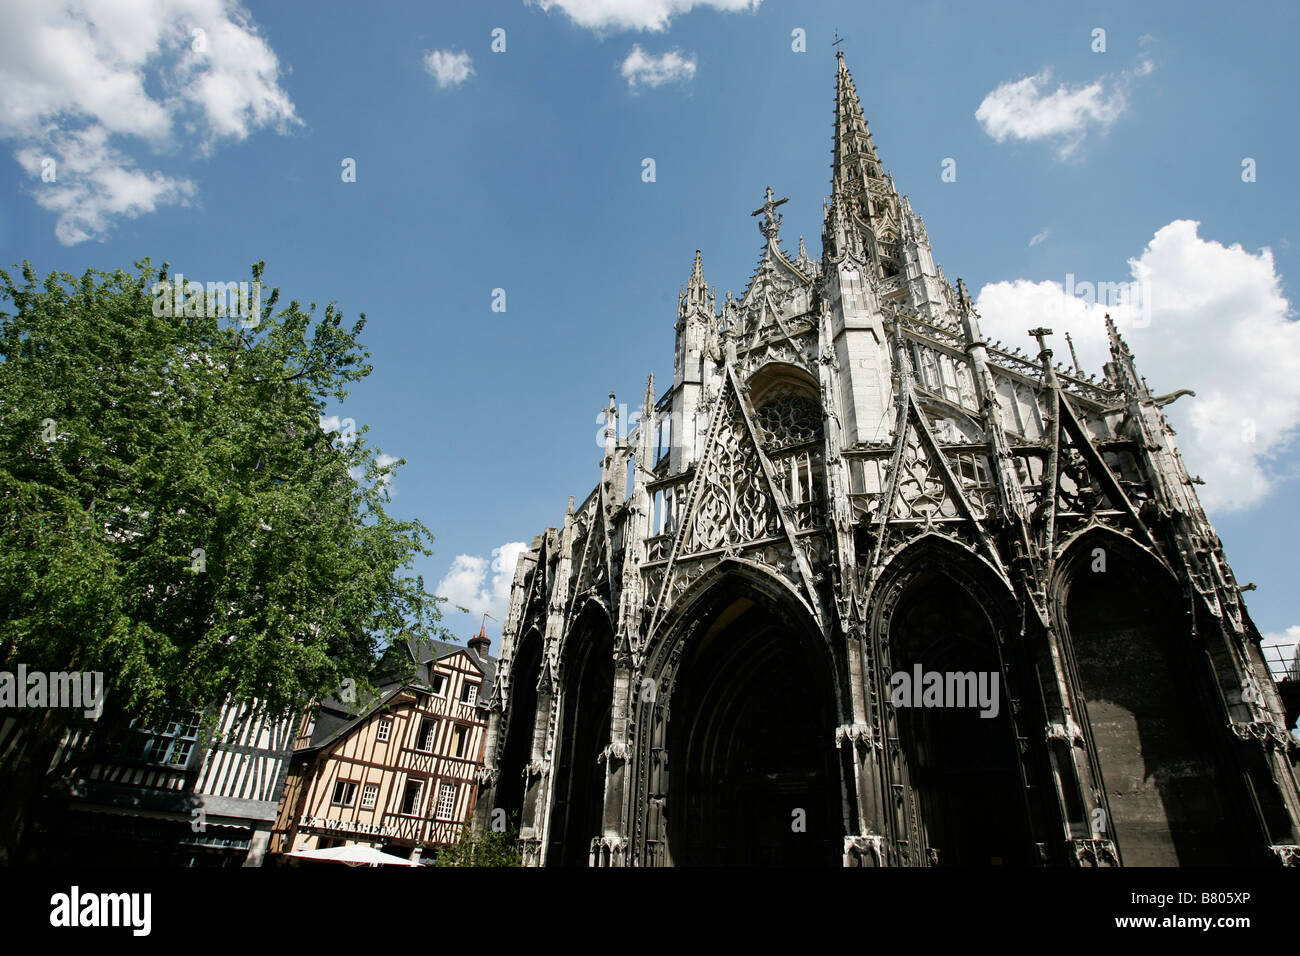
522	170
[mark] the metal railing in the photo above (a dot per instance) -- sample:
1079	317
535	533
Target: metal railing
1283	660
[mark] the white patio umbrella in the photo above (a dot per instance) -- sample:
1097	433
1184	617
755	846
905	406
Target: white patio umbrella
355	855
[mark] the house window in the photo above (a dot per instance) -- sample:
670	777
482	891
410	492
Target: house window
170	743
468	692
439	684
385	730
369	796
345	791
428	729
447	801
459	740
411	797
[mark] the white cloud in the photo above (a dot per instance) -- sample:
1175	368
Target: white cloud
1038	238
640	68
482	585
449	69
95	183
77	75
1025	109
650	15
1218	323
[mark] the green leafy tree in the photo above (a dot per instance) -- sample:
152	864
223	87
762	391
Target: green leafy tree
483	848
173	515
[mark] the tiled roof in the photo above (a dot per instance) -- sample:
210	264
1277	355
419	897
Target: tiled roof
337	717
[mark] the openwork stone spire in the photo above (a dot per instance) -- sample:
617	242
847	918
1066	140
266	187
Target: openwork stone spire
854	158
863	217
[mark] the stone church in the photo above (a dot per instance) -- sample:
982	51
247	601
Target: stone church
845	489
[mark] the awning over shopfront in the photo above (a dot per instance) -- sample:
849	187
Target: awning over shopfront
355	855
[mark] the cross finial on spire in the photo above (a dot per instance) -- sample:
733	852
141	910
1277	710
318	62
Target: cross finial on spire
771	223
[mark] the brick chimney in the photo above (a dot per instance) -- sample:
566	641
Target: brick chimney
480	644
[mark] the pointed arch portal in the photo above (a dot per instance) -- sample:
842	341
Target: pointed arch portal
963	762
750	737
586	706
517	748
1148	695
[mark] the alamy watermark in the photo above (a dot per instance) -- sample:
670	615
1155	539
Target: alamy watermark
181	297
956	689
133	911
71	689
1134	296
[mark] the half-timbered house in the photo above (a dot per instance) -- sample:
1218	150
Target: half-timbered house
396	772
175	792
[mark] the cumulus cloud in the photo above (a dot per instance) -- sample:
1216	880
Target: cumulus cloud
1028	109
641	69
1209	317
482	585
448	68
83	82
94	183
653	16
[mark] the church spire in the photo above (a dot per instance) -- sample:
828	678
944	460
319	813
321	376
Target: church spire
863	217
855	159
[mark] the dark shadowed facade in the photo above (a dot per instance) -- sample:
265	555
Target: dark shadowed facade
846	483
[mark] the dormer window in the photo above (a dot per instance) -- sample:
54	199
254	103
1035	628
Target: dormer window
439	684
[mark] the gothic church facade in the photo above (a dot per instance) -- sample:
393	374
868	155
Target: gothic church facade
846	483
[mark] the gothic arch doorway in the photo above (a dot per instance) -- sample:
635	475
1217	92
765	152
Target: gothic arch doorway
969	804
751	736
1173	799
517	748
586	699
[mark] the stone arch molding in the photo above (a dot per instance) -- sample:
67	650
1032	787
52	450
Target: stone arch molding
594	606
667	650
908	559
684	607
